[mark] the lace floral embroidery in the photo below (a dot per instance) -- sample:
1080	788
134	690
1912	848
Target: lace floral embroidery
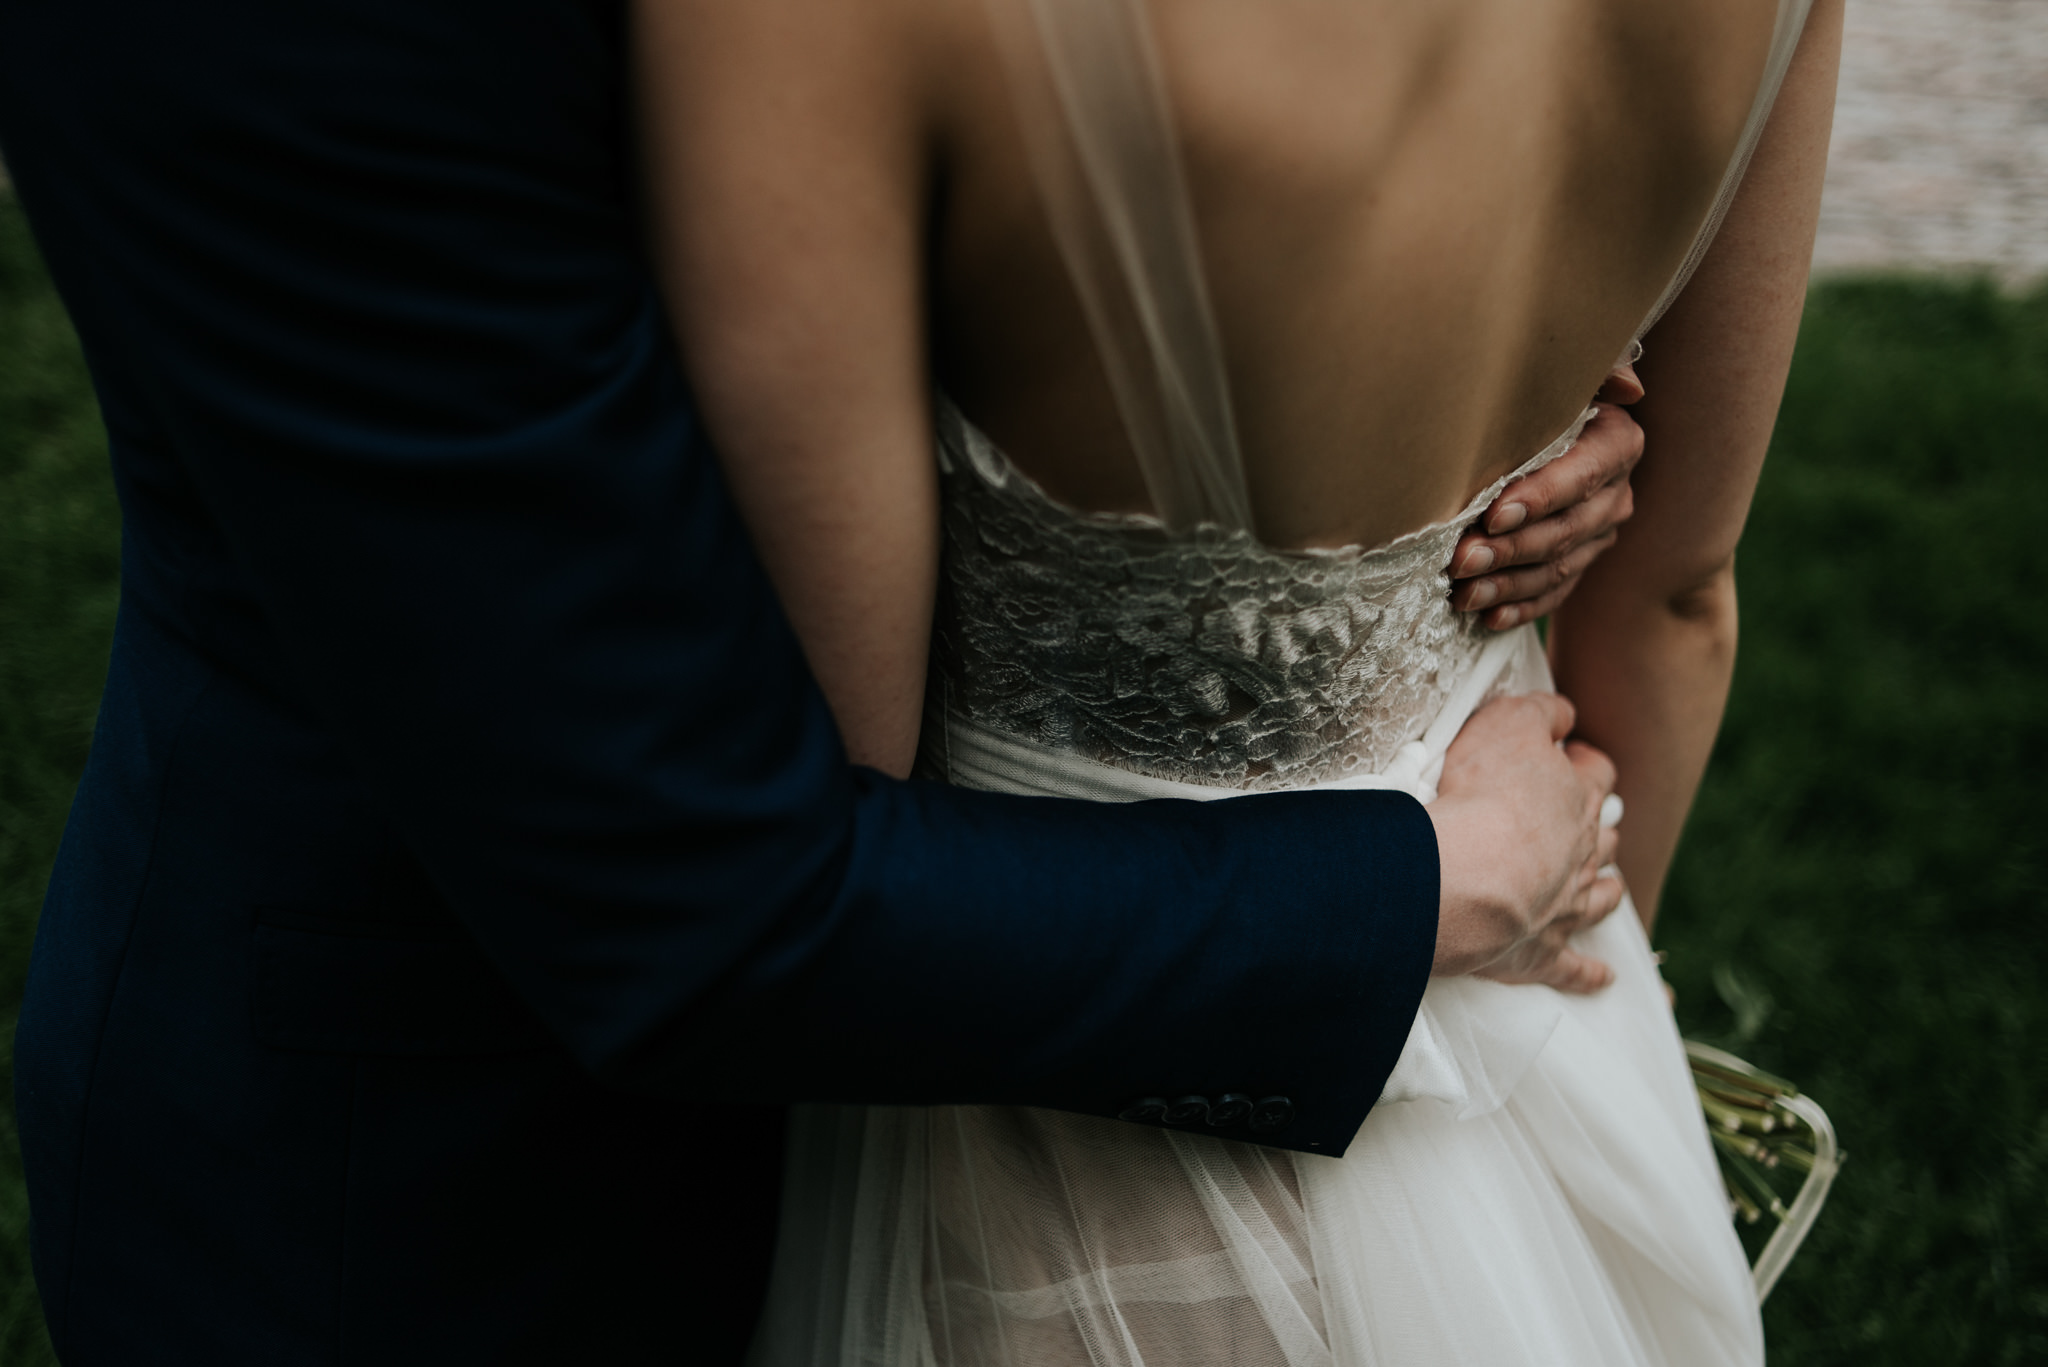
1206	658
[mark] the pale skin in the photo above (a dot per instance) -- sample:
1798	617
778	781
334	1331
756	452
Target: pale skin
840	204
1646	648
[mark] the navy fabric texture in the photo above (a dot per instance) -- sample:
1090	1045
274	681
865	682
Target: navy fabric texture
466	870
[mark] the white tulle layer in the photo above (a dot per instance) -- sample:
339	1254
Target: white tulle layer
1535	1187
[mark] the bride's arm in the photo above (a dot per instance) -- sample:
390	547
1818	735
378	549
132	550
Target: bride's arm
1646	647
802	329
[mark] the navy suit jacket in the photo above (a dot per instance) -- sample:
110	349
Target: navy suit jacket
466	870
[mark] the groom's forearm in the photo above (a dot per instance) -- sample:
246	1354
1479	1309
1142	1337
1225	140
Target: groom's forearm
987	948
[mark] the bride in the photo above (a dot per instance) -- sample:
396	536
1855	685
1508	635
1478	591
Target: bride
1224	319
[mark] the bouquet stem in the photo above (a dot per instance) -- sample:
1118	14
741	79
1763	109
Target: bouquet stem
1761	1124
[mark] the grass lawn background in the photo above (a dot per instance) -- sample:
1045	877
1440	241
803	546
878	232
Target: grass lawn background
1858	901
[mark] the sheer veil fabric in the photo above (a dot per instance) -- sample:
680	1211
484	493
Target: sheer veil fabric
1535	1185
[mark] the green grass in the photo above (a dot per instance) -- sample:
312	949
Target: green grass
1864	867
59	573
1855	904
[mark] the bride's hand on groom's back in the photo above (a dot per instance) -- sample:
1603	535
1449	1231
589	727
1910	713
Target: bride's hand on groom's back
1534	542
1522	847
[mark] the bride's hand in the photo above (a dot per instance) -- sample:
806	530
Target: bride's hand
1542	532
1523	851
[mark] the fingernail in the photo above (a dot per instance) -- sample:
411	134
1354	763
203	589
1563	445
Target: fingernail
1478	560
1483	593
1510	516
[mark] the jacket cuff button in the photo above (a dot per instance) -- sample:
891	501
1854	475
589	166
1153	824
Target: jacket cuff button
1272	1113
1233	1108
1146	1111
1188	1110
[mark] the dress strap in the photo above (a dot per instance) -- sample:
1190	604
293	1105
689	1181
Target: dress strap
1093	106
1784	42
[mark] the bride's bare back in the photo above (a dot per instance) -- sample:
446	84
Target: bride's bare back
1428	229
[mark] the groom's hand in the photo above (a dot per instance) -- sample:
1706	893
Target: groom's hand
1522	848
1534	542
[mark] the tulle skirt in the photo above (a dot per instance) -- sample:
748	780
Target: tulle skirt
1536	1186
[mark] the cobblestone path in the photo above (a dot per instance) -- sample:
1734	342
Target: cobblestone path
1940	153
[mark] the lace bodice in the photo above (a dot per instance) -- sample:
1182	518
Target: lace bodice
1203	657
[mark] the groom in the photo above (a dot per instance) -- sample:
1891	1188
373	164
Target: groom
466	869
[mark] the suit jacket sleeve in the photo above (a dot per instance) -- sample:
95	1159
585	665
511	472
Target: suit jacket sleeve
368	274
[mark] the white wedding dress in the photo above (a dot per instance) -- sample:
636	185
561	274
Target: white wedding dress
1534	1187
